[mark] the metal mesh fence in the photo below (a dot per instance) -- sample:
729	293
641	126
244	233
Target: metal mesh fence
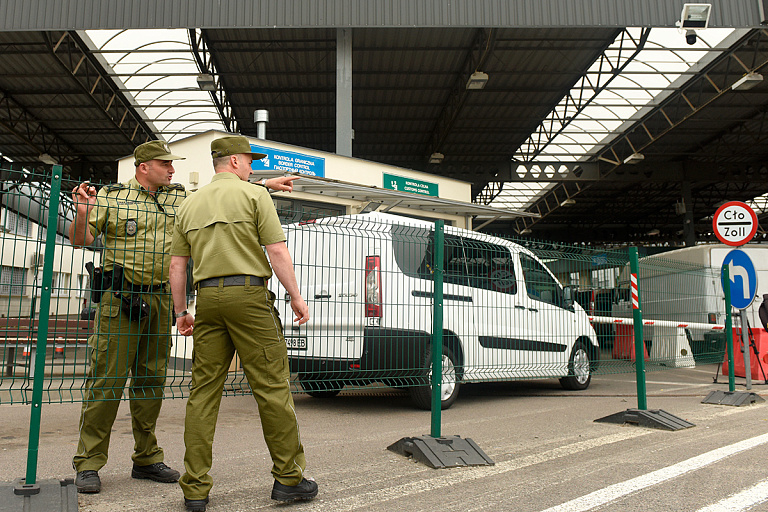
512	308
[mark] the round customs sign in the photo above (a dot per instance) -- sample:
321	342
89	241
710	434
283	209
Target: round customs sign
735	223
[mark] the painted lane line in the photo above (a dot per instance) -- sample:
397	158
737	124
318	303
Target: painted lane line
744	500
463	475
621	489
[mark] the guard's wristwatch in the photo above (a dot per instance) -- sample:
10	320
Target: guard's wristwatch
183	313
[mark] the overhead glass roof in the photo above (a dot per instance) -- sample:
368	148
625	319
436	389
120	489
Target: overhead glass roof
158	70
662	65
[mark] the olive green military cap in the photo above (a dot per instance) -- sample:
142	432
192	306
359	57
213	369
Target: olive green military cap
233	145
153	150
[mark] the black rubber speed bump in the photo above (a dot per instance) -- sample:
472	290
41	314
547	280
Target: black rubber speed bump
655	418
734	398
43	496
442	452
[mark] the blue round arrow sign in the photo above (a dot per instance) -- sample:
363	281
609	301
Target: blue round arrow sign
743	278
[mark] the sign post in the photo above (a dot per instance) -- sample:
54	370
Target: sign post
735	223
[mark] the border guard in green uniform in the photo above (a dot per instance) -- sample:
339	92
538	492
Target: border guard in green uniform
223	227
136	220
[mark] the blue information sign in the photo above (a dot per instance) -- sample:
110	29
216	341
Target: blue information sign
288	161
743	278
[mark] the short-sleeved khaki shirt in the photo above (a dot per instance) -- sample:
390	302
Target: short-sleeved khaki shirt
223	227
137	228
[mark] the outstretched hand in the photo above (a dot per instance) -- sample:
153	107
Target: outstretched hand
281	183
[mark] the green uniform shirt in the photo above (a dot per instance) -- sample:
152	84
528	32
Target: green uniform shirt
137	228
222	227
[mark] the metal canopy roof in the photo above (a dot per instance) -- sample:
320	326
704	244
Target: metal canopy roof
59	96
383	200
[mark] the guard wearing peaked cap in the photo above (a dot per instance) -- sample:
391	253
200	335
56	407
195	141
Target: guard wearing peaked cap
223	227
136	220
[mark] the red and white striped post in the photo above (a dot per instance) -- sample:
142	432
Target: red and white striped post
637	315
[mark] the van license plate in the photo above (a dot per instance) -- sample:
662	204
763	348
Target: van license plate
296	342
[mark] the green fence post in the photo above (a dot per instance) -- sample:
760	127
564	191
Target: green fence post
42	330
437	328
729	328
637	317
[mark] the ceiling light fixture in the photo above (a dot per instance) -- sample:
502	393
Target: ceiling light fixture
206	82
747	82
436	158
477	80
634	158
47	159
568	202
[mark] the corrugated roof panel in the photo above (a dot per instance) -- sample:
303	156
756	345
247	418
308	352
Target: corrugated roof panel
108	14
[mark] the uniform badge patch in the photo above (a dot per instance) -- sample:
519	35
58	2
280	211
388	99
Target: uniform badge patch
131	226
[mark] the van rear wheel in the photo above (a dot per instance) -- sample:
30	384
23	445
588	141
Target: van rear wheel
318	387
449	389
579	369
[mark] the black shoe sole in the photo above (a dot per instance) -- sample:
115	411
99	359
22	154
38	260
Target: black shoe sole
287	497
88	490
144	476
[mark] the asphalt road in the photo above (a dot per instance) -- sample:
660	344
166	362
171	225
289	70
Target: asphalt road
549	452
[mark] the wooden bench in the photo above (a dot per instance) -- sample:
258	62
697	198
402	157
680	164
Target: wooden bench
21	333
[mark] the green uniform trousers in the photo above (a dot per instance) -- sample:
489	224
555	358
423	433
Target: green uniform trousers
242	319
119	347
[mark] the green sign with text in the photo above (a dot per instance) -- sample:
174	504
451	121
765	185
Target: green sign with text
425	188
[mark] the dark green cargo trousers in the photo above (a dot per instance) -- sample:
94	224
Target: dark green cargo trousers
122	346
242	319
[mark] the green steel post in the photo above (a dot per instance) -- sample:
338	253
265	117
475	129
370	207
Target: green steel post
637	317
729	328
437	328
42	330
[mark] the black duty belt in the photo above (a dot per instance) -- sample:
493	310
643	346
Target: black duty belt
144	288
230	281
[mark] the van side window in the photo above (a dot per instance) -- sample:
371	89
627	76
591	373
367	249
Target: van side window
539	283
490	266
410	246
415	251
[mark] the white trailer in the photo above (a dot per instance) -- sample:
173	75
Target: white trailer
675	286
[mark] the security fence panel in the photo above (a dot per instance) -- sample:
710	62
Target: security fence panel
683	307
511	309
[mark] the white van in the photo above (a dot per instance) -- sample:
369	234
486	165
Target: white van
368	280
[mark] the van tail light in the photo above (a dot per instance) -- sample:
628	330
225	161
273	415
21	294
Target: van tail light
373	286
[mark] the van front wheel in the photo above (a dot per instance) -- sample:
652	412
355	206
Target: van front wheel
449	389
579	369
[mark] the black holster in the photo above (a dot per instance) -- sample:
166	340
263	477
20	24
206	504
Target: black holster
131	302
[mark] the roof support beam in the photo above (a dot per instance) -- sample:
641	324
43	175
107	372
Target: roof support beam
206	65
19	122
608	65
74	57
679	107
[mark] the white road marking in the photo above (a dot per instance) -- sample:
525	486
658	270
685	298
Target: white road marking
458	476
744	500
621	489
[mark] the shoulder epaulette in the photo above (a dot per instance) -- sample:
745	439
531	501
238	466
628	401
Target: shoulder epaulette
176	186
114	186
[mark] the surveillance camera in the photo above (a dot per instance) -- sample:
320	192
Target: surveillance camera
690	36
